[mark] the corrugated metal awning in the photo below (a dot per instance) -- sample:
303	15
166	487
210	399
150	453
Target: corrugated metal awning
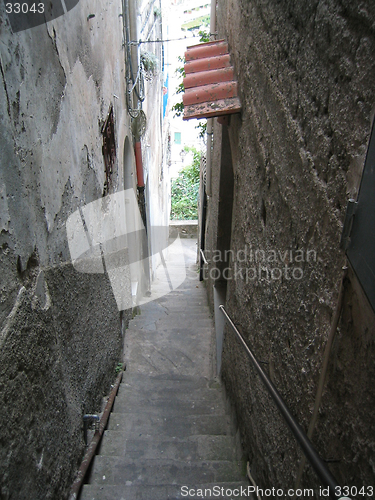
210	86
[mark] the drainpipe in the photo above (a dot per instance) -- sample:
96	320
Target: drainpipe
90	453
133	25
140	182
210	120
139	165
207	190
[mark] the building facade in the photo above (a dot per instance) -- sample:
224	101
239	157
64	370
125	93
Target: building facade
282	172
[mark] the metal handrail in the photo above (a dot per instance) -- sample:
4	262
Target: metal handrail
311	454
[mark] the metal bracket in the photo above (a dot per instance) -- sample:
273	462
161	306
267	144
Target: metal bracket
203	256
86	420
348	222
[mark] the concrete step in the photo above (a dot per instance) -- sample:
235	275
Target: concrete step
167	407
218	491
172	362
167	330
171	396
187	299
174	308
118	470
167	333
190	297
116	443
165	382
171	387
186	321
142	424
176	351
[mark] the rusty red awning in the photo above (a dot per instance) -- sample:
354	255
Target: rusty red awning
210	87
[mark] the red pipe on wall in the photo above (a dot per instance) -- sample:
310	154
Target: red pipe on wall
139	165
90	453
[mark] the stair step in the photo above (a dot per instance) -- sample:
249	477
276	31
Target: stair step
168	492
138	424
143	387
168	336
185	382
188	323
176	351
132	403
116	443
186	302
118	470
174	322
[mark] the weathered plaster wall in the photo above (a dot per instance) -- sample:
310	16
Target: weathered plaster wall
305	73
155	150
60	334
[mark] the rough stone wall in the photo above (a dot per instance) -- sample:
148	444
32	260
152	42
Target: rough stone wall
60	337
305	73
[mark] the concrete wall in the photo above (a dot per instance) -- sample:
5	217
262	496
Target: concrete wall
154	150
305	73
61	335
157	154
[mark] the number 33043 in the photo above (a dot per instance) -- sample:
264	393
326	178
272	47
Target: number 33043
24	8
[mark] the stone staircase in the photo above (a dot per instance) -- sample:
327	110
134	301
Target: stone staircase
171	432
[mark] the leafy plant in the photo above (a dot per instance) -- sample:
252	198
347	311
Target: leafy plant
178	108
185	190
119	368
204	36
202	127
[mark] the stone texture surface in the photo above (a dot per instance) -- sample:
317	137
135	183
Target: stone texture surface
49	378
305	73
60	334
183	228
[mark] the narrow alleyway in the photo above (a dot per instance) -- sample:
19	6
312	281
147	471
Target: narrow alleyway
171	426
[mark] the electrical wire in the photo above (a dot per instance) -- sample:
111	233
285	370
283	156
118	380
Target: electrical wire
139	42
252	480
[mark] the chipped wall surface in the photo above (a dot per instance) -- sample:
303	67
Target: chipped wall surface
60	337
305	74
153	150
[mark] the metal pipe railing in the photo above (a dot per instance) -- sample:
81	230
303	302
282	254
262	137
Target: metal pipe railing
311	454
90	452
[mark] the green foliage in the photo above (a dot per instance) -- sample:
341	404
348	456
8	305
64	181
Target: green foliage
196	23
204	36
202	127
178	108
185	190
119	368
